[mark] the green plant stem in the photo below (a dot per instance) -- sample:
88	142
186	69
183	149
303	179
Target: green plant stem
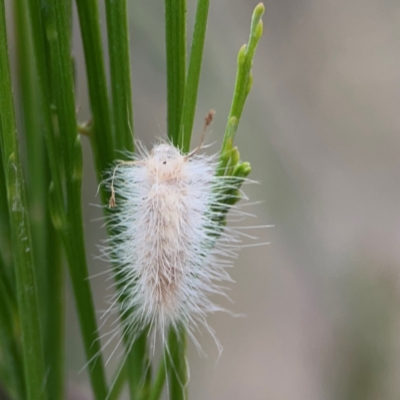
20	231
136	367
193	75
118	50
118	46
9	339
5	243
136	357
35	173
67	221
11	353
118	382
57	32
54	328
7	288
137	364
176	363
43	94
175	37
122	116
159	381
46	241
243	77
100	133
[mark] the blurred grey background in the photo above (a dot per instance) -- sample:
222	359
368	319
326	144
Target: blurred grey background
321	130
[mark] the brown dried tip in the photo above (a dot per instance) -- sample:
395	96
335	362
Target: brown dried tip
208	119
111	203
207	122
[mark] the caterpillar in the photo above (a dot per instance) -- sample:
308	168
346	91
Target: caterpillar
168	241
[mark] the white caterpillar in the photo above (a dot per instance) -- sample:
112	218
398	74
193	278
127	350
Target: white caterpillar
168	241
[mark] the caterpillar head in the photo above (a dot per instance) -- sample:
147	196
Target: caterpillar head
165	162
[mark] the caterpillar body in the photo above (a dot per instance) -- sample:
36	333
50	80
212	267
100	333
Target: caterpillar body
168	241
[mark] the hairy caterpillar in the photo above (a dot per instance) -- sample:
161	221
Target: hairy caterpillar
168	241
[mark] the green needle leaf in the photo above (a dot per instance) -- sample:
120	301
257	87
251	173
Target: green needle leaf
33	354
56	24
101	133
175	37
193	76
118	50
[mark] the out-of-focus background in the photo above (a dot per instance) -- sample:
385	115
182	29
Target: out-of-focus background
321	129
